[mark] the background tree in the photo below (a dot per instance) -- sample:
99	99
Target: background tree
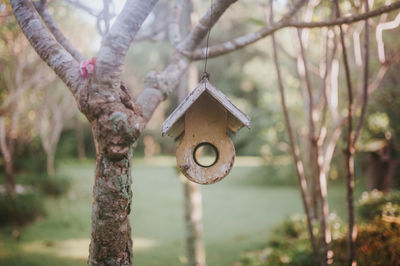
55	110
22	74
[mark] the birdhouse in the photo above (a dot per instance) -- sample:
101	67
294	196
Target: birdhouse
202	124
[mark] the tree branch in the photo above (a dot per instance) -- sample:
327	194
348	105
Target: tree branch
365	79
316	156
159	85
379	30
295	153
116	42
62	63
174	30
41	8
346	20
242	41
351	237
198	33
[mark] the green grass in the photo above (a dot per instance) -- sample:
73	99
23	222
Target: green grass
239	213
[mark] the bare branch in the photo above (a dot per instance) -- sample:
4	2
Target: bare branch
208	20
242	41
159	85
365	79
157	34
351	237
41	8
106	15
63	64
174	30
156	31
304	73
116	42
294	147
346	20
316	155
379	40
331	144
245	40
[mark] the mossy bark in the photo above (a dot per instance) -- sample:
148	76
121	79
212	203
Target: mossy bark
111	242
116	124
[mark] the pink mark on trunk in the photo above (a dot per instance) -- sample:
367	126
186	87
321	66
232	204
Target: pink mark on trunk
87	67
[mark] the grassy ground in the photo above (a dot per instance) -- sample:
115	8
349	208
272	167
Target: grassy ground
239	213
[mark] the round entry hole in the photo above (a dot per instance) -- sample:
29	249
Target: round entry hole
205	154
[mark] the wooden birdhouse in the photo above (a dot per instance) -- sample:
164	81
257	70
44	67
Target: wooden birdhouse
201	124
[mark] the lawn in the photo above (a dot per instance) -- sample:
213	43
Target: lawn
239	213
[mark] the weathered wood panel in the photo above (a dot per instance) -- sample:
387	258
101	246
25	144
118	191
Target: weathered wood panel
205	122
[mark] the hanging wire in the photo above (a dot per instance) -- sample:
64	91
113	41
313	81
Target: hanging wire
205	73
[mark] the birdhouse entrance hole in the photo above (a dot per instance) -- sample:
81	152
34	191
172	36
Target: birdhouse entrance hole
205	154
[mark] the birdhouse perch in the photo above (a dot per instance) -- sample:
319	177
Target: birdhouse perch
201	123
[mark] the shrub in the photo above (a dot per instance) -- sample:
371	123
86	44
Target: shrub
20	209
378	243
289	244
378	240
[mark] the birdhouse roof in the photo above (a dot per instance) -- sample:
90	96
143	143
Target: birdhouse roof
175	124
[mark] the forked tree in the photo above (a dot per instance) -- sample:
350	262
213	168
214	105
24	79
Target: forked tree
116	119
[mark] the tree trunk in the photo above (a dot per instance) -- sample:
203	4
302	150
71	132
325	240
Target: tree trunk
10	177
50	163
111	242
193	199
322	203
7	153
194	226
380	171
116	124
80	135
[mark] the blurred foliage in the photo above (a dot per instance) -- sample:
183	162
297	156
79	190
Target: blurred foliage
376	203
68	145
378	243
378	240
289	244
21	209
383	111
51	185
55	186
382	126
